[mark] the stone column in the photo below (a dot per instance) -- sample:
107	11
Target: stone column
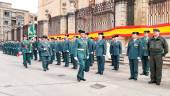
45	27
15	34
63	22
9	35
21	33
121	13
71	23
141	12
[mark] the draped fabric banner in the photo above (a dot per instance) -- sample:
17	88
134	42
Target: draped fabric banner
124	31
31	31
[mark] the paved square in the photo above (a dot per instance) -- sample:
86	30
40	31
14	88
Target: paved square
15	80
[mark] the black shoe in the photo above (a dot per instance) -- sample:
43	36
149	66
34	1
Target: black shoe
66	66
131	78
113	69
83	79
25	66
101	73
147	74
78	79
151	82
74	68
58	64
98	73
158	83
86	70
45	70
142	74
135	79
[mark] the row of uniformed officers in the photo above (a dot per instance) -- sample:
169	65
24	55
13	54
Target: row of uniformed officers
81	50
11	47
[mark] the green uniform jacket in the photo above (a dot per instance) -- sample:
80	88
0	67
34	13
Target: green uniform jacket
81	48
101	48
26	46
66	46
158	46
72	47
115	48
44	47
91	45
144	46
133	50
35	45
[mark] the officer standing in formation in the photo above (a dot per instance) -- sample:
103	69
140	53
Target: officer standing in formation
91	48
101	53
115	51
133	53
145	53
26	51
81	54
58	50
81	50
45	52
66	47
39	51
52	46
72	51
35	48
11	47
158	48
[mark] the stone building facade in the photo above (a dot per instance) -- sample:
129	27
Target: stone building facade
11	20
68	16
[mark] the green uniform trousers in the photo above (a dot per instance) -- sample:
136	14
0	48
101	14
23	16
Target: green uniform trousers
156	68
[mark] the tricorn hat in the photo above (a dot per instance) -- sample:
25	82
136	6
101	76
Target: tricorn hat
137	33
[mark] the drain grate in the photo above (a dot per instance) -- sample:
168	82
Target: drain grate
6	86
97	86
61	75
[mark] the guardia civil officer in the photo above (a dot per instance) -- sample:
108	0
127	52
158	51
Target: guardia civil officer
115	51
81	54
133	53
100	53
26	51
158	48
145	53
45	52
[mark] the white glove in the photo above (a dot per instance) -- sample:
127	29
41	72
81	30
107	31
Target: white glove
45	48
20	53
87	57
92	52
76	58
139	58
67	51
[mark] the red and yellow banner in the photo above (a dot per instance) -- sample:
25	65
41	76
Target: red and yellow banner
124	31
